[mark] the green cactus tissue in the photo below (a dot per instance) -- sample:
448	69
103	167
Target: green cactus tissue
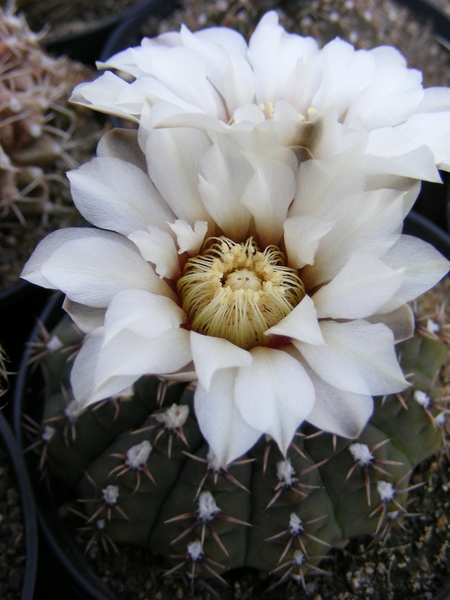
238	398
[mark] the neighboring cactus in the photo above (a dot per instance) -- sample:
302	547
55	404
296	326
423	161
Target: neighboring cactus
34	120
37	140
141	469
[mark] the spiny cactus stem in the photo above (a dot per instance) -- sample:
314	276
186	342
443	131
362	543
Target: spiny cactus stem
162	390
365	459
117	405
296	562
98	531
69	416
288	479
46	345
270	443
193	556
42	435
399	397
109	501
211	469
124	468
436	327
387	493
206	513
171	422
295	531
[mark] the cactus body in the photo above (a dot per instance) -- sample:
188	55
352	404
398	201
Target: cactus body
139	465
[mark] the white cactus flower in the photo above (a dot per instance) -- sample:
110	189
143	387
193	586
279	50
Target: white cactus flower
281	291
283	85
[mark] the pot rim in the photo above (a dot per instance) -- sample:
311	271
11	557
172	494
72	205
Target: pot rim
28	508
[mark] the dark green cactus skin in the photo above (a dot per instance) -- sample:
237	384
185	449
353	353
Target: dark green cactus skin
331	504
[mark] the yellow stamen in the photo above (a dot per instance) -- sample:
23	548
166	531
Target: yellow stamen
235	291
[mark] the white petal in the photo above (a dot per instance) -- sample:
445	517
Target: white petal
145	314
248	113
388	55
102	93
345	73
86	318
220	422
165	115
123	144
32	270
424	266
368	222
389	150
435	99
268	196
432	129
323	184
393	95
274	54
302	236
131	355
151	90
358	357
183	72
211	354
400	322
93	268
226	172
231	40
301	324
83	371
227	70
238	85
339	412
173	157
274	394
157	246
359	289
124	60
113	194
189	239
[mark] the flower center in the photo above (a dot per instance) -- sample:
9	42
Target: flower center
236	292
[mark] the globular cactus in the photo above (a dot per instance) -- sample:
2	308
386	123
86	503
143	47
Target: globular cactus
143	475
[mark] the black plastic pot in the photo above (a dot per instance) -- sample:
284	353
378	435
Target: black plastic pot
16	461
124	34
429	10
56	533
86	46
20	306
